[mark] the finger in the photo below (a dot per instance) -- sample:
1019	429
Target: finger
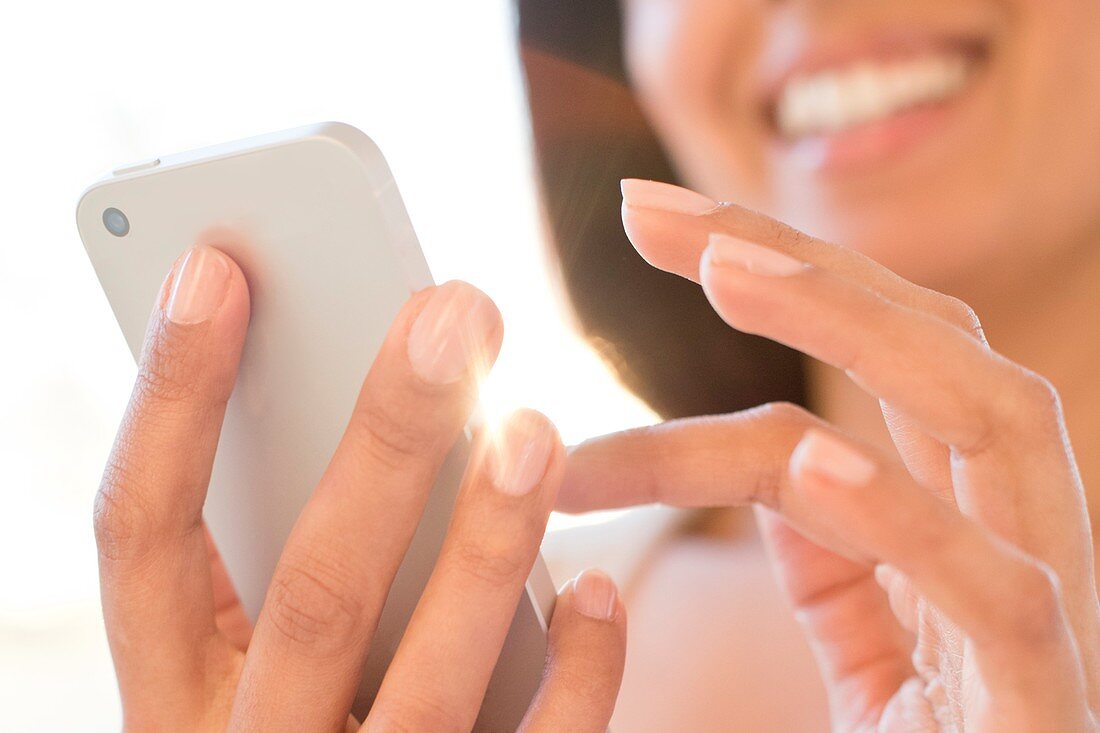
1008	604
862	651
728	460
739	459
229	614
154	575
671	227
584	665
954	388
438	677
311	638
919	363
690	462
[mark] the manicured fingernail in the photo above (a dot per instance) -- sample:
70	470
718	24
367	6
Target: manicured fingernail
451	332
519	453
199	287
595	596
757	259
665	197
828	456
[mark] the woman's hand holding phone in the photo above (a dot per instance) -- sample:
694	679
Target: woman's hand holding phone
980	535
187	657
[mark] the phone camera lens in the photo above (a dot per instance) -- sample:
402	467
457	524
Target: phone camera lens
116	222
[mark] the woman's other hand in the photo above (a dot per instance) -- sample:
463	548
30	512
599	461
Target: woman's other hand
980	536
187	658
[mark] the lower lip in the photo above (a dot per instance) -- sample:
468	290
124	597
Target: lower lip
875	142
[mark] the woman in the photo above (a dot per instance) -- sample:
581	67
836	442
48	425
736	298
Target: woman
953	143
981	536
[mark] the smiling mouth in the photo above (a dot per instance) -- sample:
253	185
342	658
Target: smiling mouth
869	91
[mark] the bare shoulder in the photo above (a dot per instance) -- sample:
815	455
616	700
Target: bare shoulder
713	645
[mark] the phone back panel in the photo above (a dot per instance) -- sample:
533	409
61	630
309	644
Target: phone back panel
315	221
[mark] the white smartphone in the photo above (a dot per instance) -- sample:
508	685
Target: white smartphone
330	257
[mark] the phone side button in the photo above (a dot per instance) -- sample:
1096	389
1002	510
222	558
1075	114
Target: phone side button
135	167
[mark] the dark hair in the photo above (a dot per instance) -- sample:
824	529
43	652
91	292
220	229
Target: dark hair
657	330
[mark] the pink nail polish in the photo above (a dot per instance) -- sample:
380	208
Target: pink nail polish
199	287
595	596
664	197
821	453
451	333
519	454
751	257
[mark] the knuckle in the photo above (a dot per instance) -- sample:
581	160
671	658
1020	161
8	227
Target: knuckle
1035	615
1021	405
1039	397
786	414
960	314
791	422
726	211
784	234
756	226
313	603
390	431
123	522
1028	404
154	384
162	374
173	374
114	521
491	560
985	433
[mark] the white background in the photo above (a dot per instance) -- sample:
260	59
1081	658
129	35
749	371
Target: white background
88	87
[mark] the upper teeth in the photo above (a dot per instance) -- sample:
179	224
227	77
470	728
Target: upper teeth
830	101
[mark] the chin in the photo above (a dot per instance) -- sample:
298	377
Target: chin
953	142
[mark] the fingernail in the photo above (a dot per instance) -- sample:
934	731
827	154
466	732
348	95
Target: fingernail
199	288
595	596
828	456
451	332
754	258
665	197
519	454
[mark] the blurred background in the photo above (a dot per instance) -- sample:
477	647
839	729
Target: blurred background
92	86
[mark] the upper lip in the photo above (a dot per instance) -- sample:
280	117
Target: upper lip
838	55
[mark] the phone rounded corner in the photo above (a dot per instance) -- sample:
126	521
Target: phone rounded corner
359	144
343	132
82	203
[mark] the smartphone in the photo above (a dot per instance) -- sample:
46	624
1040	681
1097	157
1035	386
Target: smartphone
320	231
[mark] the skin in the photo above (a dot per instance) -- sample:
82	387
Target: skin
999	207
948	589
948	585
1015	172
186	656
